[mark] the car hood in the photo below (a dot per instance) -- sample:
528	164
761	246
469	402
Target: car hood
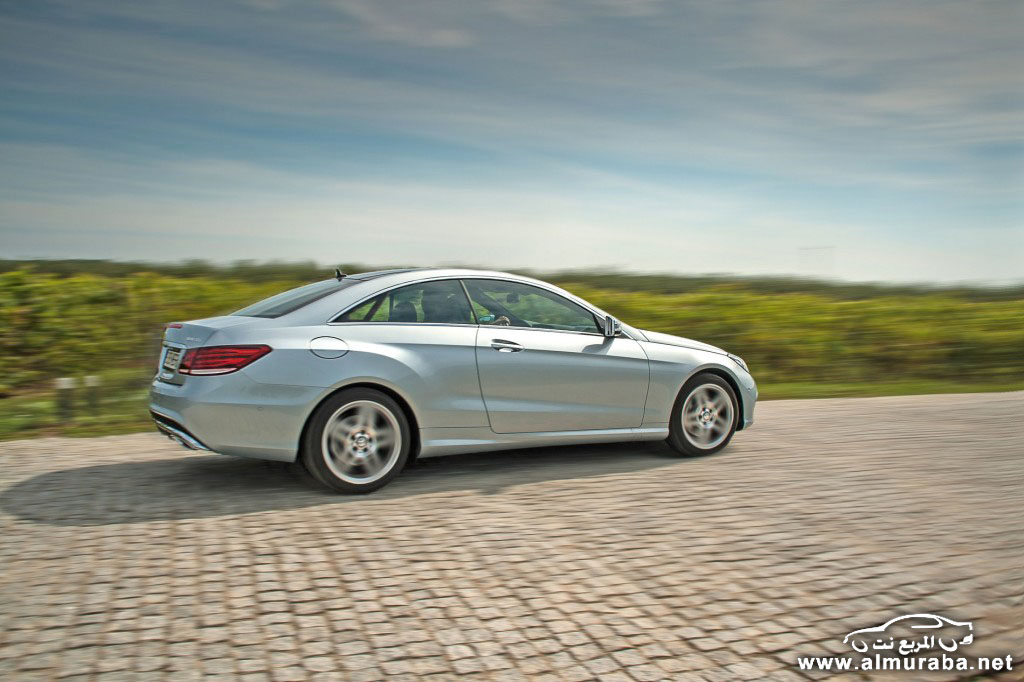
669	340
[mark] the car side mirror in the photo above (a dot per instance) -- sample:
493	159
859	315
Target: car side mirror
611	326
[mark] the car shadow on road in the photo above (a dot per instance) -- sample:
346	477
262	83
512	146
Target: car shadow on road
209	486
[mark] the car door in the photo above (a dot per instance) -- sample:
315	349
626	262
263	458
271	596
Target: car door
545	366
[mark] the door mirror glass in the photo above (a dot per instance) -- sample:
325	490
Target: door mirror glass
611	326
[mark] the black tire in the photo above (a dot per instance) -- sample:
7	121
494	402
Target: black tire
709	417
359	419
300	473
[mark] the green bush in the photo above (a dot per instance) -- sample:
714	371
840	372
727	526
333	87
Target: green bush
806	337
54	325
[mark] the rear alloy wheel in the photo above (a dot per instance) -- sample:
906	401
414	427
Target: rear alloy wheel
704	416
357	442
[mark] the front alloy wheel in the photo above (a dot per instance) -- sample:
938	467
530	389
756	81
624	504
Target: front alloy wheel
704	416
357	441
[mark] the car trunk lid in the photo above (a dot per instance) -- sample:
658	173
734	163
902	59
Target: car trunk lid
180	336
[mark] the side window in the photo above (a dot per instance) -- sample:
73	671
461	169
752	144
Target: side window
375	310
438	302
513	304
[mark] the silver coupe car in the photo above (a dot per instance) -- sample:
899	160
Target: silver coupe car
356	375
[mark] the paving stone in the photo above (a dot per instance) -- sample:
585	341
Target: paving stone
127	558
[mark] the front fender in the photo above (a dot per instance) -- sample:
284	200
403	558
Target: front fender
673	366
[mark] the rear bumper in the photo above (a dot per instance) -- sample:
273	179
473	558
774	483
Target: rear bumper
233	415
176	432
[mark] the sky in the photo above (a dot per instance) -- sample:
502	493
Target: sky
856	140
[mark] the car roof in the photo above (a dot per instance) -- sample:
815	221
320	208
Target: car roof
436	272
449	272
374	274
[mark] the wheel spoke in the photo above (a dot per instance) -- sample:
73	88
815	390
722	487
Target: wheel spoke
347	425
337	444
373	462
385	439
342	457
365	416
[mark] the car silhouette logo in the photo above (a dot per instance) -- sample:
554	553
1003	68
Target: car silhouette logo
858	639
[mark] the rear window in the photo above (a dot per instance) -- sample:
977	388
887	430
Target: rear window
290	301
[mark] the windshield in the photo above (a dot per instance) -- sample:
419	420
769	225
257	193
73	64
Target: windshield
292	300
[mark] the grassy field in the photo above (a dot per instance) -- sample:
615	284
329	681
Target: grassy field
802	339
120	407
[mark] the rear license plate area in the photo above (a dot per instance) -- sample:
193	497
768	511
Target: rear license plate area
172	358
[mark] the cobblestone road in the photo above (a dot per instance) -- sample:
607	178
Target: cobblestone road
129	558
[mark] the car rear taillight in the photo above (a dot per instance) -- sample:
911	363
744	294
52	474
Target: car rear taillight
220	359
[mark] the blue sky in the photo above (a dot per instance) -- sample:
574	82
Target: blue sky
857	140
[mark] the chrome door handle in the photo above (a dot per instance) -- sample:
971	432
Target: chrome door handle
503	346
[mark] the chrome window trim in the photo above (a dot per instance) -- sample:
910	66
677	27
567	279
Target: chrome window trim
404	324
475	326
332	321
543	329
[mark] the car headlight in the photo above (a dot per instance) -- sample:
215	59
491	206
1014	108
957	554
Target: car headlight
739	361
